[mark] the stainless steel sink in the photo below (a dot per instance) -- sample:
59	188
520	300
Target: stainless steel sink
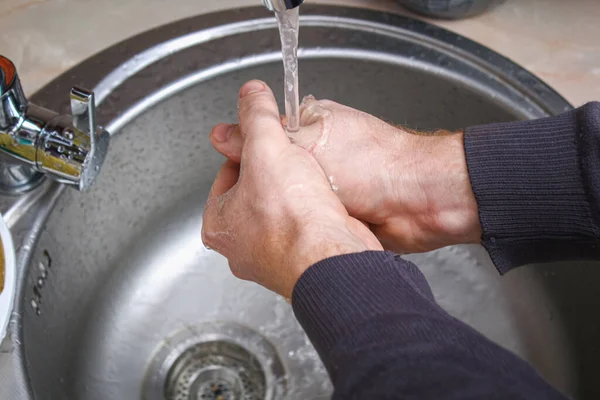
119	299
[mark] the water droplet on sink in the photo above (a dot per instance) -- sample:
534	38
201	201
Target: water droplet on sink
40	282
38	295
34	304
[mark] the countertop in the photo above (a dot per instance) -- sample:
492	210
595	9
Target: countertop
557	40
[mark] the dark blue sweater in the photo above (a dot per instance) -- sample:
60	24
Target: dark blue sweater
372	316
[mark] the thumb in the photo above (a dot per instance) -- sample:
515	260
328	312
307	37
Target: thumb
260	123
227	139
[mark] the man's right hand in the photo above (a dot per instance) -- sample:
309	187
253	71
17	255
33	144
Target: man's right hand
413	189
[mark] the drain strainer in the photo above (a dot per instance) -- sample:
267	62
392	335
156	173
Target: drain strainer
216	361
216	370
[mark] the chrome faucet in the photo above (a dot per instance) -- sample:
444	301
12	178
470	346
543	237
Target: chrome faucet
281	5
68	148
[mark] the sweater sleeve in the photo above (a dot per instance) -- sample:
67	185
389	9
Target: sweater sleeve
537	186
381	335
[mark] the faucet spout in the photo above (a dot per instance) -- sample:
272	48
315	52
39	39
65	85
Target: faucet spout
281	5
68	148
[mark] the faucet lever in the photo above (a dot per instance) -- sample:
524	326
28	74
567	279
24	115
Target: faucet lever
83	110
71	149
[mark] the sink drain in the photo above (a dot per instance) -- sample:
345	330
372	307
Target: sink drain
216	361
216	371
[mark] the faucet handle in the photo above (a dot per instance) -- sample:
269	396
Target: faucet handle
70	148
83	111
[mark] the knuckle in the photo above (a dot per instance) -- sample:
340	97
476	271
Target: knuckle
209	233
237	271
208	238
215	240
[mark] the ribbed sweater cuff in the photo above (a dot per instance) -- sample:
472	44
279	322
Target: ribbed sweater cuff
336	295
530	191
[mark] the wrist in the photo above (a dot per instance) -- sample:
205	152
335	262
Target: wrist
457	210
432	204
314	246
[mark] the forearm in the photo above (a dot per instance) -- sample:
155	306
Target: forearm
373	320
537	186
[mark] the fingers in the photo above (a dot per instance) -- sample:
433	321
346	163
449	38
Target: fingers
260	123
227	140
226	179
213	231
315	124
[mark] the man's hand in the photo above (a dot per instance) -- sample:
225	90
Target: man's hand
272	211
412	188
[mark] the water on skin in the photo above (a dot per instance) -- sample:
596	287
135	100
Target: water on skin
289	25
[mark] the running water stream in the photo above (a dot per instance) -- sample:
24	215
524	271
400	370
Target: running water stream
289	25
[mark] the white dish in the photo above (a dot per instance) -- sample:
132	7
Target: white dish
10	278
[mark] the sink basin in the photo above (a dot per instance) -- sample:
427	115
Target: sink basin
121	300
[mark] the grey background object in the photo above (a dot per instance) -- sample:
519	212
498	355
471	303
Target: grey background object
450	9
